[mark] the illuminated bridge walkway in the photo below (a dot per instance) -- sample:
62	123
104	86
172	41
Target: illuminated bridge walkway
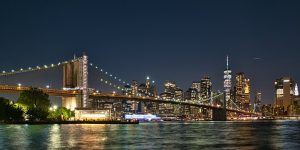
75	84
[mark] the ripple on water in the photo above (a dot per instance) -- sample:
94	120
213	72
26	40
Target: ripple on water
170	135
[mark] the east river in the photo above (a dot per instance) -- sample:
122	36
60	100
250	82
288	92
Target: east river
166	135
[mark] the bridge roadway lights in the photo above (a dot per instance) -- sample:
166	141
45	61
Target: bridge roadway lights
219	115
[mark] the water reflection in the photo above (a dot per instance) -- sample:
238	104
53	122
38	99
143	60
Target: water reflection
203	135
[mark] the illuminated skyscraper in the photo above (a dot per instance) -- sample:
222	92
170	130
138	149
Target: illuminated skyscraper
205	90
296	90
227	83
148	85
134	87
196	85
178	94
170	87
242	91
150	88
257	102
284	93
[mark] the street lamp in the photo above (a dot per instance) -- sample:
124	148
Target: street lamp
54	107
19	84
47	86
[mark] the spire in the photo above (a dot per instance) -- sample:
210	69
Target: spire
296	90
227	62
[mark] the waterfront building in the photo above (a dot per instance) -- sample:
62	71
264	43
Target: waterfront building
284	95
257	102
267	110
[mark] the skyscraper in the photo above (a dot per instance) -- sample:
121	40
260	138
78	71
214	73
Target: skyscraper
205	87
170	87
242	91
196	85
227	82
257	102
169	91
284	93
148	85
296	90
134	87
191	94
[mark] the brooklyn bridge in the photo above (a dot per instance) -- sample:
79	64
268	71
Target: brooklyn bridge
76	94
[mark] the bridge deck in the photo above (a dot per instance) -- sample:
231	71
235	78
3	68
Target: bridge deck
74	93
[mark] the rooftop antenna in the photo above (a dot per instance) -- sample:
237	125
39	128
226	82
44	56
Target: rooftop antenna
227	62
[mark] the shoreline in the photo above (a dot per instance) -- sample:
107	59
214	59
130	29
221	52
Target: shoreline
68	122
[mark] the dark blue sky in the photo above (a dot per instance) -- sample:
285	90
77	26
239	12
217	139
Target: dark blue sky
168	40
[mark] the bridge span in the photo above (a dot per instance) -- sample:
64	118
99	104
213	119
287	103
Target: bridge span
77	94
118	97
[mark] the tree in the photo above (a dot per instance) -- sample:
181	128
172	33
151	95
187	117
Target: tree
35	98
35	113
61	113
10	111
37	103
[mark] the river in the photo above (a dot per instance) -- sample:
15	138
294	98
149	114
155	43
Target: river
166	135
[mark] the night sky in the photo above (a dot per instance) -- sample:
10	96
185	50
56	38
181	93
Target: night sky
167	40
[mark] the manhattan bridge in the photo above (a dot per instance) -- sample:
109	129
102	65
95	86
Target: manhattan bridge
76	95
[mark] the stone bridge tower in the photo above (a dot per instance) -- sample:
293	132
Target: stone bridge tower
75	77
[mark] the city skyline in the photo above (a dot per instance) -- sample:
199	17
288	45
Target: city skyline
141	42
132	74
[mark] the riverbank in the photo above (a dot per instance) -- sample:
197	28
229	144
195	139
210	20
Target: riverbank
69	122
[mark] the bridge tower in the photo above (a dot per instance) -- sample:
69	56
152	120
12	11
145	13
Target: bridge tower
75	77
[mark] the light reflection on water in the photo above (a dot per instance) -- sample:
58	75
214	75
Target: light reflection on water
171	135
